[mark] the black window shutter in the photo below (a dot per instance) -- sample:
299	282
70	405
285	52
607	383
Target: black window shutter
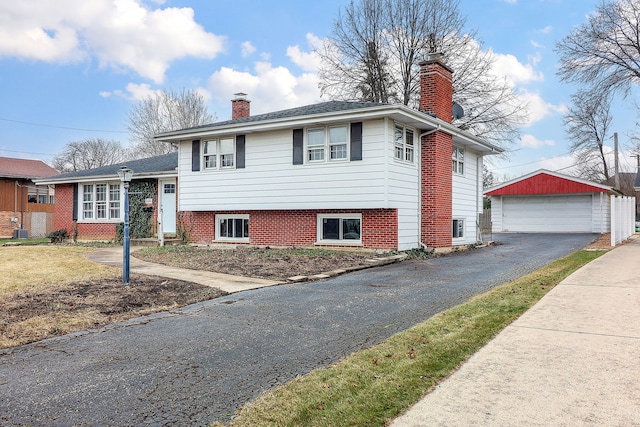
75	202
240	143
195	155
298	146
356	141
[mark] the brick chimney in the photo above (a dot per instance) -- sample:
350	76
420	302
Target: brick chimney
436	99
436	89
240	106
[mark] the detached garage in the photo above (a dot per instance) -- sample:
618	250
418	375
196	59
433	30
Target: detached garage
548	202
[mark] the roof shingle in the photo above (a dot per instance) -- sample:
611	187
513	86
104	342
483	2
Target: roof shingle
164	163
25	169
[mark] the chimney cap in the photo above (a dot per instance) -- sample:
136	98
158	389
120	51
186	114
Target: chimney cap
435	58
240	96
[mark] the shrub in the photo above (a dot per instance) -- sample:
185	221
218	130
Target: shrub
58	236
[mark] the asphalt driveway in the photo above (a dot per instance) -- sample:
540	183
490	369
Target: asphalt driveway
201	363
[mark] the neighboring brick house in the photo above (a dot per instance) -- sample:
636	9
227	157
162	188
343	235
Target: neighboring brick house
344	174
26	209
89	203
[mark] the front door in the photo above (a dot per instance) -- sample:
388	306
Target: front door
168	206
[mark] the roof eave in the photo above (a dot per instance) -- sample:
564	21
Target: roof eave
557	175
107	177
423	121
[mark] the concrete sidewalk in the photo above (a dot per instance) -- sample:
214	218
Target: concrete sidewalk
571	360
112	256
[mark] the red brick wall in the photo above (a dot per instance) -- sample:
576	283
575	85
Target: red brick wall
436	89
6	226
63	218
63	213
296	227
436	227
240	108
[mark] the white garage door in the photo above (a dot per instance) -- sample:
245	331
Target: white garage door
547	214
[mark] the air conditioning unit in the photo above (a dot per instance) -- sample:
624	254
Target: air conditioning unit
20	234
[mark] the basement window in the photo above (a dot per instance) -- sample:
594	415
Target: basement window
232	228
458	228
339	229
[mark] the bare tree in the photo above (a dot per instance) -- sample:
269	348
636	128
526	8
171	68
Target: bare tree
88	154
587	124
163	112
605	51
376	46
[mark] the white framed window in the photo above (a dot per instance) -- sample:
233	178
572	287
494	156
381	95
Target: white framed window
101	201
327	144
339	229
403	142
458	160
458	228
210	154
219	153
232	227
338	143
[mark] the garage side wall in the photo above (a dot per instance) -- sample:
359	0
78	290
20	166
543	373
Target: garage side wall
496	214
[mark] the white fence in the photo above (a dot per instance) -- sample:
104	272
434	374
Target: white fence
623	218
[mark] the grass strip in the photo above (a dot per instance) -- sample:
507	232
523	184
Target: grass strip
375	385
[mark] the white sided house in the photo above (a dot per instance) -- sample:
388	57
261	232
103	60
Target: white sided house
345	174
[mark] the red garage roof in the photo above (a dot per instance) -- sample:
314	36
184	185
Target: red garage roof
546	182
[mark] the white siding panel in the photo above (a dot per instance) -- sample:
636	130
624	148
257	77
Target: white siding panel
403	191
271	181
467	197
570	213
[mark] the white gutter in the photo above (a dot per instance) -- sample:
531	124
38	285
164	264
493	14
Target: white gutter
110	177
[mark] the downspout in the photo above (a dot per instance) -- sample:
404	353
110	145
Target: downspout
15	201
478	206
422	245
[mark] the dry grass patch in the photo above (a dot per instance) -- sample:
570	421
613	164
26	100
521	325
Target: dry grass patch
35	267
54	290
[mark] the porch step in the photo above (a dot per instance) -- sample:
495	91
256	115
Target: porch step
153	241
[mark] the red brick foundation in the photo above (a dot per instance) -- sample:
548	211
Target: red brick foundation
295	227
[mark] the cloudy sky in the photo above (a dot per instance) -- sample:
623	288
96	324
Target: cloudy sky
72	69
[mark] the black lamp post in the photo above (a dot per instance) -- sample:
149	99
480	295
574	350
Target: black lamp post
125	175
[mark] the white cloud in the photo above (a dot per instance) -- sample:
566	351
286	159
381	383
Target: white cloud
538	108
247	49
133	92
122	34
269	88
308	61
531	141
546	30
507	65
536	44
